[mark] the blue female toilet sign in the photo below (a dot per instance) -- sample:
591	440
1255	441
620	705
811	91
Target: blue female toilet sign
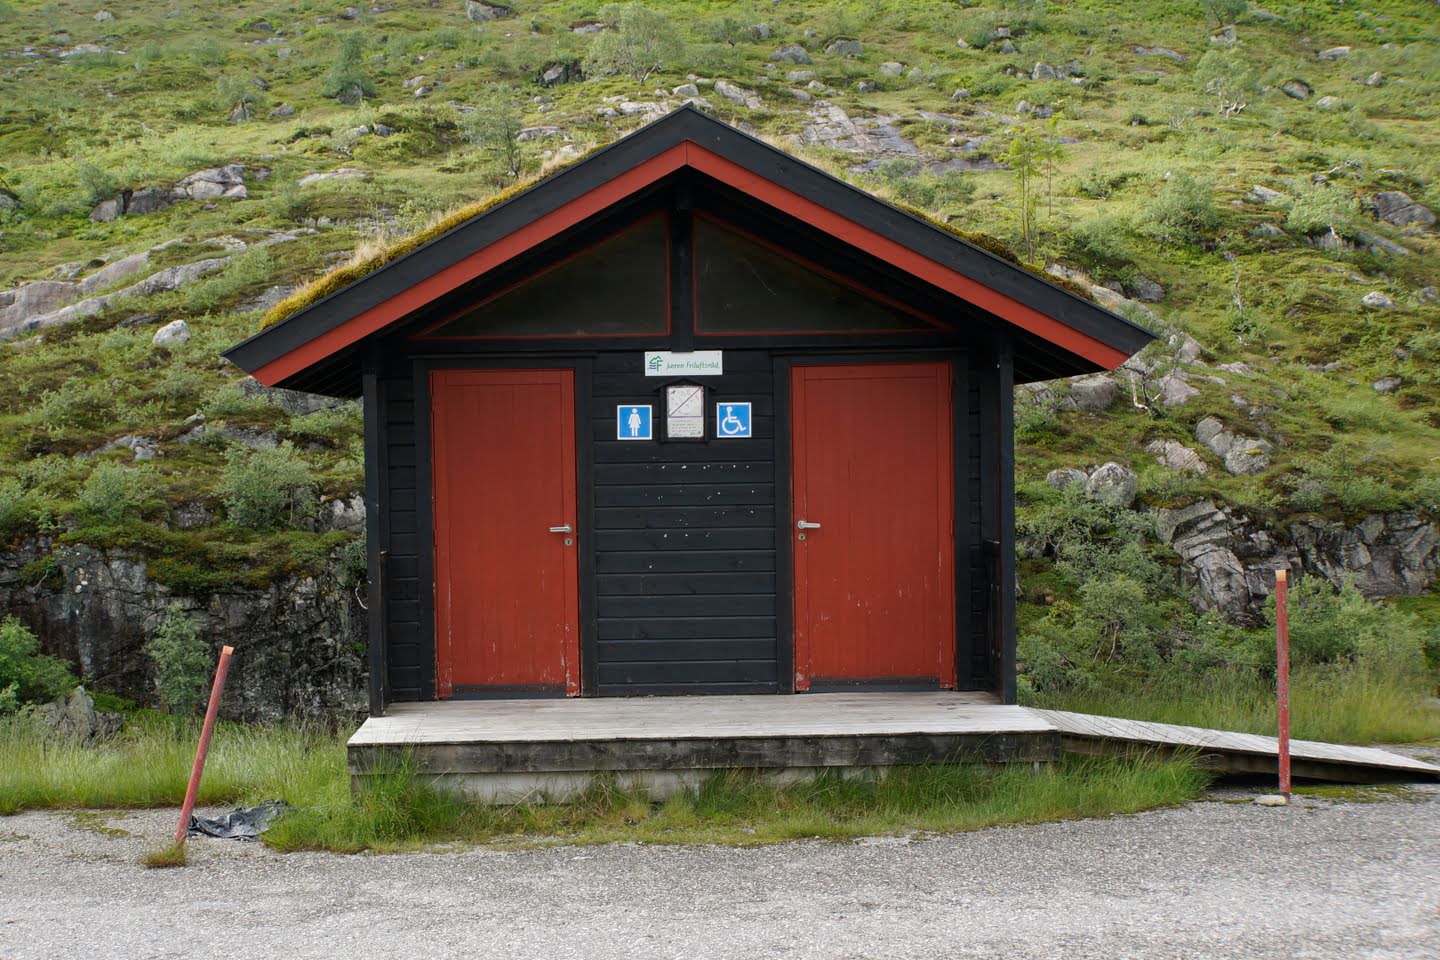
732	420
634	422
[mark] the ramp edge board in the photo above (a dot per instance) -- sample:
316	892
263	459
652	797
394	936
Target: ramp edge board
1231	751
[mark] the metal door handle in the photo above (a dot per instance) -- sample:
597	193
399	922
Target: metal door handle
563	528
806	525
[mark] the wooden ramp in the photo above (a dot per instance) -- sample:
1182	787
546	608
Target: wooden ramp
1234	752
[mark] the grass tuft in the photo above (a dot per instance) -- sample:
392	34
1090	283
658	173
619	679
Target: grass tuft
163	858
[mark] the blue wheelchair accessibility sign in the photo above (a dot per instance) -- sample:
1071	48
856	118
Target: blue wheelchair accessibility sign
732	420
634	422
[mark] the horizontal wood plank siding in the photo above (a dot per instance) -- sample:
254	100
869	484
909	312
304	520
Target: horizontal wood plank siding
684	540
409	652
968	537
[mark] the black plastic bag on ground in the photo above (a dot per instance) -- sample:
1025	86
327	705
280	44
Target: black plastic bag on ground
242	823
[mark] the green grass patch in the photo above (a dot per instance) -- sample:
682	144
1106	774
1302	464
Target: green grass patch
147	767
1338	703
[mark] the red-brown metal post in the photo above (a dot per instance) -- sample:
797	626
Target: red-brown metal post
1282	675
203	748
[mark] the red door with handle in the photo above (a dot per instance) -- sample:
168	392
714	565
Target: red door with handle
873	525
506	574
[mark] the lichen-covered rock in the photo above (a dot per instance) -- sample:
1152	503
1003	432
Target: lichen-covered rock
877	136
1094	393
1065	477
1229	562
1112	484
791	53
74	717
846	48
172	334
1296	89
479	12
1248	455
1176	456
1175	389
1376	300
738	94
1396	206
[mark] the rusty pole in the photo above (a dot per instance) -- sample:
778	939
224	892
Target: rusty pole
203	748
1282	675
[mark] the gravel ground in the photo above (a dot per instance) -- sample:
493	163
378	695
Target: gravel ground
1322	878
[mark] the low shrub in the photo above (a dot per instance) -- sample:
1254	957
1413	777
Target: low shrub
113	492
268	488
1183	212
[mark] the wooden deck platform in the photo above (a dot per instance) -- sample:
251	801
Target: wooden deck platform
509	750
504	750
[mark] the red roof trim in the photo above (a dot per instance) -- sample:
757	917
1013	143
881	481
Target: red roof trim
637	178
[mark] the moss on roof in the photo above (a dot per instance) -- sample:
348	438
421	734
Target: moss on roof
346	274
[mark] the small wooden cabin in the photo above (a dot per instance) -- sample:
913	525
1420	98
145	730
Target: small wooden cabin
688	417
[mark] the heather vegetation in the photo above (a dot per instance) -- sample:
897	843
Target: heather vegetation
1216	163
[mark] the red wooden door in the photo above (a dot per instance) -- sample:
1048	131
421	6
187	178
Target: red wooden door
874	585
506	586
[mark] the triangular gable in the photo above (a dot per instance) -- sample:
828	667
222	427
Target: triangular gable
687	139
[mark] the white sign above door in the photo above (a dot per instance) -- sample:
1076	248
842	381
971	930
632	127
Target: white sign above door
701	363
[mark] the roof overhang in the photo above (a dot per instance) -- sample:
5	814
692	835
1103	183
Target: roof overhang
1091	336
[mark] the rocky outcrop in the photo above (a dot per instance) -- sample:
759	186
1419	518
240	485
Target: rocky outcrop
227	181
1229	562
832	127
1396	207
1388	554
74	717
48	303
1232	561
299	642
1242	455
170	278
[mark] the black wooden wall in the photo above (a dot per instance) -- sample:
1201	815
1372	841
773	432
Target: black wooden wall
682	535
684	541
411	654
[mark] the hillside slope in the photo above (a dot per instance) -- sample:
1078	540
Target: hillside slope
1255	183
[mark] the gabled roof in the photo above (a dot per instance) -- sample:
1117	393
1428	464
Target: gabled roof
329	331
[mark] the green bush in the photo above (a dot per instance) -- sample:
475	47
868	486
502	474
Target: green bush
268	488
1335	626
112	492
238	98
1323	211
182	661
639	42
26	674
347	81
15	506
1183	212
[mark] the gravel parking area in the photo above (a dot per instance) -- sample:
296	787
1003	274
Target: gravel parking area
1358	877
